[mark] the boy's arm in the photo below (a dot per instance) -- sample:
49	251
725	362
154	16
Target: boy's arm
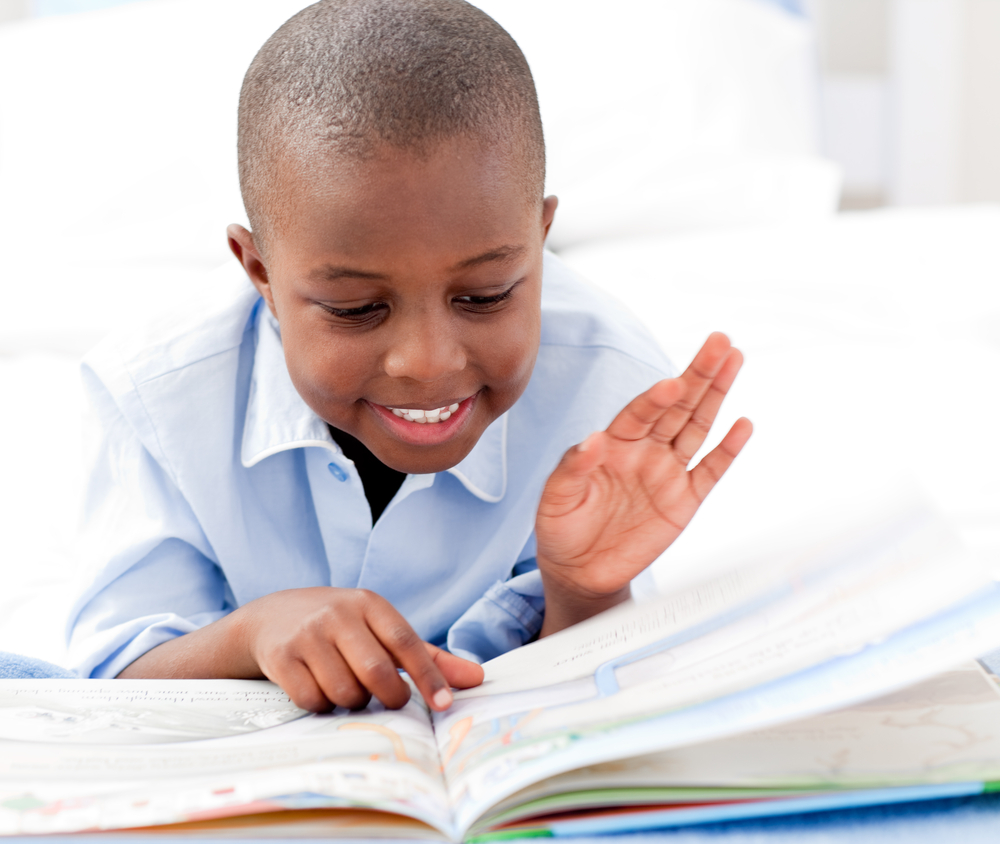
622	496
324	646
154	604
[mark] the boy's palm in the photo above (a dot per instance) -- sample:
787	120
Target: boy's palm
620	498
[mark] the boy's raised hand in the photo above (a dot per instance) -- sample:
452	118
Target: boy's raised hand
620	498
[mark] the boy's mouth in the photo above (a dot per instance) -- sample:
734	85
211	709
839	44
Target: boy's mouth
420	426
428	417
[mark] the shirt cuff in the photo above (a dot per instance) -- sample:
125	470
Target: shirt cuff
509	615
105	654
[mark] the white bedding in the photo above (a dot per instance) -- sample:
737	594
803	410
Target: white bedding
872	347
117	136
873	342
873	352
39	494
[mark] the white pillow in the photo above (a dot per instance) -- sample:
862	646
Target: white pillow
628	197
118	161
118	129
117	137
673	114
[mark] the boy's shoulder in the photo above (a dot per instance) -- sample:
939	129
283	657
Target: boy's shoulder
577	313
211	324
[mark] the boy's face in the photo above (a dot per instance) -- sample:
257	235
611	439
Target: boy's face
403	283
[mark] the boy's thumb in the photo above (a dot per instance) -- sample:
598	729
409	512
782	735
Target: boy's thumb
568	485
460	673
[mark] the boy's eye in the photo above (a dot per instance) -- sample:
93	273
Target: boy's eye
486	303
361	314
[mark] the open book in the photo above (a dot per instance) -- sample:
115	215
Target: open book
703	704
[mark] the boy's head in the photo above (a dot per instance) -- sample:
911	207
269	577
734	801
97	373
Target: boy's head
392	166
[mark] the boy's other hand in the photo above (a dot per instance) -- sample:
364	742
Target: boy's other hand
620	498
331	647
324	646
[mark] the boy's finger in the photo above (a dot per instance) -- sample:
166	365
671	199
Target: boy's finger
690	438
336	679
460	673
640	415
697	379
299	684
409	652
369	659
713	465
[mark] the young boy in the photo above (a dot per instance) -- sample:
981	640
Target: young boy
366	460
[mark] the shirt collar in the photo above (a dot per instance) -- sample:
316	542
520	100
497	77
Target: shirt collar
278	419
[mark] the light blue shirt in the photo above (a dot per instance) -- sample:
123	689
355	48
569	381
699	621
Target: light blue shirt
212	483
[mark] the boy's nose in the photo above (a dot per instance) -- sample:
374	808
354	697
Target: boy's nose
425	350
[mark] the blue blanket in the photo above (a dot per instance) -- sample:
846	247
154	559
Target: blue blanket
14	667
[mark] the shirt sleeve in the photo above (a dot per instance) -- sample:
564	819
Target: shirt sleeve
147	572
509	615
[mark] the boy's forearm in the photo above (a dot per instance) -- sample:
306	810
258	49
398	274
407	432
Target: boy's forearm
565	607
216	651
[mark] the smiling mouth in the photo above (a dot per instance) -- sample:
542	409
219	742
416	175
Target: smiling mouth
430	417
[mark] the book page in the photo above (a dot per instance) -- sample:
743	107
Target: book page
99	754
140	712
839	608
946	729
790	580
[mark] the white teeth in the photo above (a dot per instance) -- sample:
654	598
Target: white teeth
439	414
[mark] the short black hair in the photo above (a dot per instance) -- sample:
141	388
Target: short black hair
347	76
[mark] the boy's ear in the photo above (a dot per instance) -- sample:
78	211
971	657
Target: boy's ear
549	205
242	246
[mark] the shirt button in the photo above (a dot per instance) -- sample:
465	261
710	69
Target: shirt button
337	472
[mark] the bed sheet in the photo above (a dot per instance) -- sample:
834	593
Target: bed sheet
872	346
40	468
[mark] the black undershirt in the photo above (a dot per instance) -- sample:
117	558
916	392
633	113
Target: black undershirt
380	482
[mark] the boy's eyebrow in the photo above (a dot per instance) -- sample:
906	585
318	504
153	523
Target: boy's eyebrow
501	253
330	272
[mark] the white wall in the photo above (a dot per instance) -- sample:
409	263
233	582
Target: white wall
979	131
11	10
912	98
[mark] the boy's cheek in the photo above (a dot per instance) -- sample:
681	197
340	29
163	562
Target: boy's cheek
524	344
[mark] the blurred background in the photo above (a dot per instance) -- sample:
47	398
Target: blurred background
910	94
910	91
700	149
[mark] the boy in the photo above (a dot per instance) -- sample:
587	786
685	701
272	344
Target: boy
348	467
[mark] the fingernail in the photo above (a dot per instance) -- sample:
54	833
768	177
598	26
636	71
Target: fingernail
442	699
585	444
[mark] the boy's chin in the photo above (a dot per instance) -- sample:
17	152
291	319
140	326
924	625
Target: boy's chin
424	460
